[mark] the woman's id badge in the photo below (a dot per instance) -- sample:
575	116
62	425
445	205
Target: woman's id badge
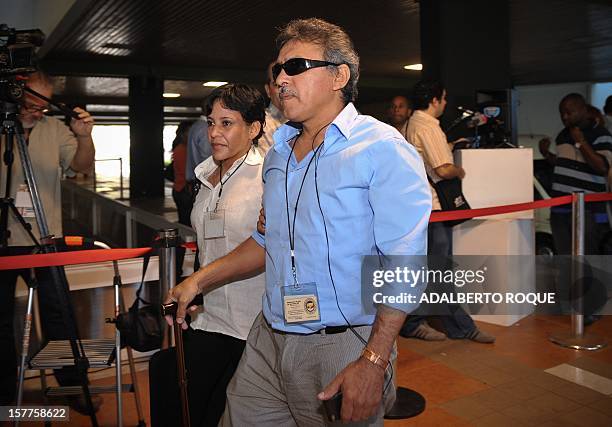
214	224
300	303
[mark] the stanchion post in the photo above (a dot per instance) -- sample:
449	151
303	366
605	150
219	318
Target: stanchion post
576	289
168	239
576	338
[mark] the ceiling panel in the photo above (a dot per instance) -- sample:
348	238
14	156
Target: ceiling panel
235	34
554	41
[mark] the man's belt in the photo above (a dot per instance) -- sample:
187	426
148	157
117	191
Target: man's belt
328	330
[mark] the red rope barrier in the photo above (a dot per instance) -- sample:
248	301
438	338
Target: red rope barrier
68	258
440	216
100	255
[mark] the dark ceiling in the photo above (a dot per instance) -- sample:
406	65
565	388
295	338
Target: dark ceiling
228	40
189	42
558	41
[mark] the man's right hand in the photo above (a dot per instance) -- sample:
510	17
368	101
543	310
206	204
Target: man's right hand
183	294
544	146
461	172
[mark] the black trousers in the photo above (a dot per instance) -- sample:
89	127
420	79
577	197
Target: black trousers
184	204
51	319
211	360
561	225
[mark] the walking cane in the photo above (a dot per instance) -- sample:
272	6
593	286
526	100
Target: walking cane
170	309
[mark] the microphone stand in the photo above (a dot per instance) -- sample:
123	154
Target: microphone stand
464	116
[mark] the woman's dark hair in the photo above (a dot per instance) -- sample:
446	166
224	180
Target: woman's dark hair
249	102
424	92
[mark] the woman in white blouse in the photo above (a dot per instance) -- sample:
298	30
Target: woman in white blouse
225	214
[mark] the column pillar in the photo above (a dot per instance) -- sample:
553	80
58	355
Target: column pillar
146	136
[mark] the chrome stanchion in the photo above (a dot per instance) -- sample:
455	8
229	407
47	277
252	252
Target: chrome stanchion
168	239
576	338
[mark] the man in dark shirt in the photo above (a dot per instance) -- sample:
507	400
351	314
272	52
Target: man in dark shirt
584	155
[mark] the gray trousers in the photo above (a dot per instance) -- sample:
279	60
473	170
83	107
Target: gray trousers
279	376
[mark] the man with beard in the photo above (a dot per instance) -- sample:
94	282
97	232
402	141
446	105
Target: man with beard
54	149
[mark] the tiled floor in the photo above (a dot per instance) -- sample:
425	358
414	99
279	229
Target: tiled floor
469	384
506	383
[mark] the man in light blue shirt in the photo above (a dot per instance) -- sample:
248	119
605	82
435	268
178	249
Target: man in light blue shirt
198	147
337	186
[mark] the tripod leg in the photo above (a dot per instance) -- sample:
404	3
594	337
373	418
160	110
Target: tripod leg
39	336
141	421
25	345
118	356
80	358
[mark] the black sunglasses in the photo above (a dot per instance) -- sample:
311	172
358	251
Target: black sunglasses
295	66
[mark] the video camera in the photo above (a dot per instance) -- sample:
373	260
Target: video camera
17	57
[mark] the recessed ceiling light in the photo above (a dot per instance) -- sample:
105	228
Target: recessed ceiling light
417	67
171	95
214	84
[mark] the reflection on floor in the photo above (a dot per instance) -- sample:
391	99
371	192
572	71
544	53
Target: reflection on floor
521	380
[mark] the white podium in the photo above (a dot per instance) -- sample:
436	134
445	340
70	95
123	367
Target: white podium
495	177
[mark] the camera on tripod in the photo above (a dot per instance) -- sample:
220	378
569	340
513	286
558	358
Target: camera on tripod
17	57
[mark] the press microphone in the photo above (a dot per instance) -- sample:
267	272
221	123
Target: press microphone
477	119
466	111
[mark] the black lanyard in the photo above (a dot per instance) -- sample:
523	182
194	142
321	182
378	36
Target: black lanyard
297	201
222	183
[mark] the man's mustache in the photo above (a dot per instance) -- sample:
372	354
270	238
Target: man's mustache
286	91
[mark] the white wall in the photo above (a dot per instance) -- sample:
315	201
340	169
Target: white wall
599	93
27	14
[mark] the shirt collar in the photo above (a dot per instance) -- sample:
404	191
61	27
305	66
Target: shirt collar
424	116
343	123
253	158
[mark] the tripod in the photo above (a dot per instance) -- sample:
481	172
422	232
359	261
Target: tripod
12	128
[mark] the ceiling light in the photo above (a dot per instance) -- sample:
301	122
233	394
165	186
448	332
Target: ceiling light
214	84
171	95
417	67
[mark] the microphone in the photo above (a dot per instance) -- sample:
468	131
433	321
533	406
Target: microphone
477	119
466	111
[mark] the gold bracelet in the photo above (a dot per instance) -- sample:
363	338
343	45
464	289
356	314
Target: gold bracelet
374	358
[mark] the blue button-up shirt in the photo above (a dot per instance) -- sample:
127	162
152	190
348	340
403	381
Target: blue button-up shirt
198	147
373	194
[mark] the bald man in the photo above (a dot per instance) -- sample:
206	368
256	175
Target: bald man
399	113
584	155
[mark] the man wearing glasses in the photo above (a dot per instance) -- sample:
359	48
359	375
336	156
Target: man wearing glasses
54	149
337	186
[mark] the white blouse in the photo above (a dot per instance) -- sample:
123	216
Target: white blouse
230	309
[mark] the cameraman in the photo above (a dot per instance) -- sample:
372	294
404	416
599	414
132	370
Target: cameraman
54	149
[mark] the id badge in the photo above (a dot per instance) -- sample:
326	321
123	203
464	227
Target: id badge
300	303
23	202
214	224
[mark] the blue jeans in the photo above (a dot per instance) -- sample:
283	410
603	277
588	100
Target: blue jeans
458	324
